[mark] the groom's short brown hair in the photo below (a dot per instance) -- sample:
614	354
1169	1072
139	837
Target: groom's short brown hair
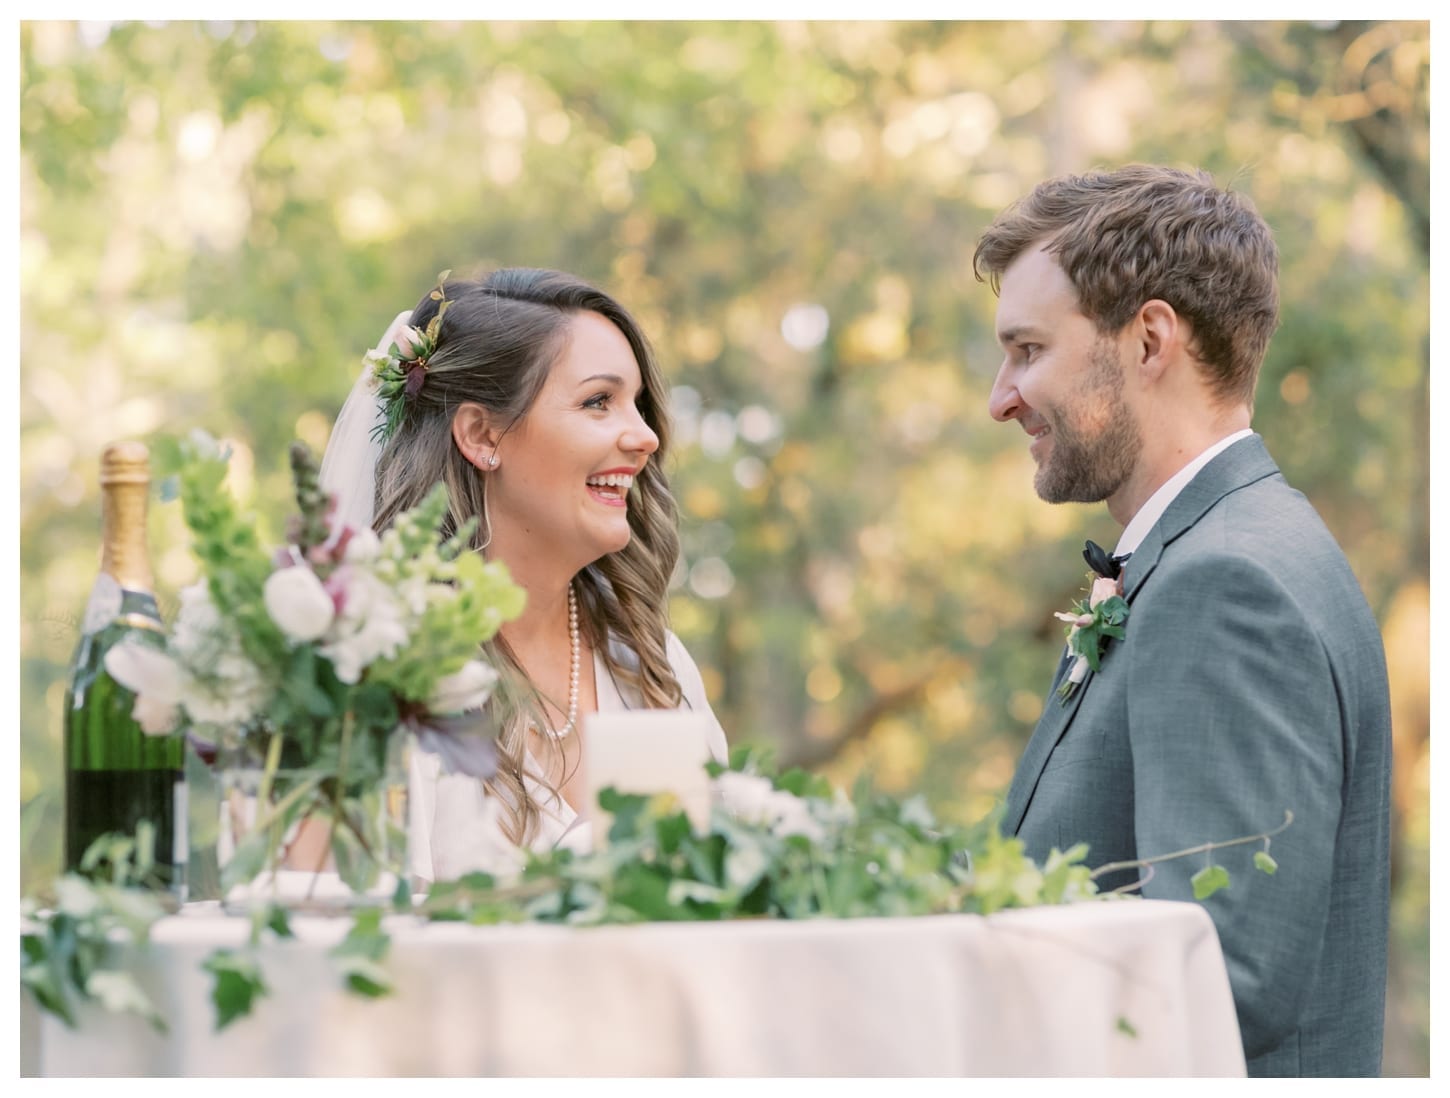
1141	232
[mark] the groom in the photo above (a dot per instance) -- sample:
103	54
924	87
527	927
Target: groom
1134	310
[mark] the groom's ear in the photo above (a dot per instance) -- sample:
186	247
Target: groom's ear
475	434
1160	335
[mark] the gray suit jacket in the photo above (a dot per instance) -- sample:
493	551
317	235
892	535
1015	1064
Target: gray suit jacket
1251	680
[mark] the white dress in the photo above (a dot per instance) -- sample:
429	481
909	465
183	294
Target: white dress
453	826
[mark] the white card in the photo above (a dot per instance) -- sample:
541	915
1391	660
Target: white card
647	751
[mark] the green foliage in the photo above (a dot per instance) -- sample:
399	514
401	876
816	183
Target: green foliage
395	367
788	848
238	984
1209	880
227	545
448	633
360	955
783	846
70	945
1090	631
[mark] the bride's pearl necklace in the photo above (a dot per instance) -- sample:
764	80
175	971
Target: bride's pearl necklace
563	731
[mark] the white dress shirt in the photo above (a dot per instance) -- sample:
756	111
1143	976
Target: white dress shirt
1139	525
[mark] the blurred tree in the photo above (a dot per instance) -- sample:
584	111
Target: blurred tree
218	217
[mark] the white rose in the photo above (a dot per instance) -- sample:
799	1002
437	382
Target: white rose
371	626
1104	589
296	601
465	689
410	342
362	547
744	796
157	681
789	815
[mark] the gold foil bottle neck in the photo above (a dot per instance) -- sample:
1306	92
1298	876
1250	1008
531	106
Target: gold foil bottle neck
125	485
125	463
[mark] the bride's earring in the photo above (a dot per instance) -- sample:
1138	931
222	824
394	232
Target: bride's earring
487	522
493	461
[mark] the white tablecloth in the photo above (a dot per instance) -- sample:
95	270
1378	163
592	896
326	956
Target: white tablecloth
1134	987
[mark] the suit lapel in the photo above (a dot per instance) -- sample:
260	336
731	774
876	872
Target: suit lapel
1240	465
1050	728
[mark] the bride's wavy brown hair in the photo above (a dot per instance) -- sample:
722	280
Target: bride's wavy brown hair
497	340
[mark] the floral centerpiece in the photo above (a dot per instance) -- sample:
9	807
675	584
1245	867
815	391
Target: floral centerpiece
304	675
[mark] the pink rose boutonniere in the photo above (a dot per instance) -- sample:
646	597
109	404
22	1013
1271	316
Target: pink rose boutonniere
1090	625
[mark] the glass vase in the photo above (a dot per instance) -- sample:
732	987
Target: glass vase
307	836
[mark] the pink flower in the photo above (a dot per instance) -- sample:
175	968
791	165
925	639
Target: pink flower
1104	588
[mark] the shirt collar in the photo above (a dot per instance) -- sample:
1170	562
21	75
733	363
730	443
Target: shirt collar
1138	527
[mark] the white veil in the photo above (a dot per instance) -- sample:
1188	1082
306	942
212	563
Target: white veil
350	462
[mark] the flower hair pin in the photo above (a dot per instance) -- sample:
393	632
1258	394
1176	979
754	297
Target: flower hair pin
1091	623
401	369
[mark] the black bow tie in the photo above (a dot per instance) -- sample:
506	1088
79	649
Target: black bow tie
1102	562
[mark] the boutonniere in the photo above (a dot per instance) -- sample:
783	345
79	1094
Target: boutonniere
1091	623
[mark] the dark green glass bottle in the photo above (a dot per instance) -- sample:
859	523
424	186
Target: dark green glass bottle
115	774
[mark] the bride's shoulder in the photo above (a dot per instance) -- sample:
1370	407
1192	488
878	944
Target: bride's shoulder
678	655
622	654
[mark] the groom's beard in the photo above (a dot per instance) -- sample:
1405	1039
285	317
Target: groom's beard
1088	465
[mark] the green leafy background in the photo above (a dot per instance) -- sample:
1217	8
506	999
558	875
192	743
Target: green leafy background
218	218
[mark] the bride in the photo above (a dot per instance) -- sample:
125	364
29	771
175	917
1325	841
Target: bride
536	400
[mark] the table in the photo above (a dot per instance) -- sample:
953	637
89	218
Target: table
1103	988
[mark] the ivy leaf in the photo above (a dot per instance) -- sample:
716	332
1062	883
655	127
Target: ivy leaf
641	890
43	977
238	984
1114	610
1125	1026
366	937
360	954
365	977
1209	880
629	811
274	918
1265	863
706	858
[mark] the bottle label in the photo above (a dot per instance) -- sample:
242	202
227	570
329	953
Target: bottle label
103	605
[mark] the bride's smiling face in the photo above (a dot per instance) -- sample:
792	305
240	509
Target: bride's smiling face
565	471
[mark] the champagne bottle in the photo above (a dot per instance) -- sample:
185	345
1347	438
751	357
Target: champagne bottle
115	774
